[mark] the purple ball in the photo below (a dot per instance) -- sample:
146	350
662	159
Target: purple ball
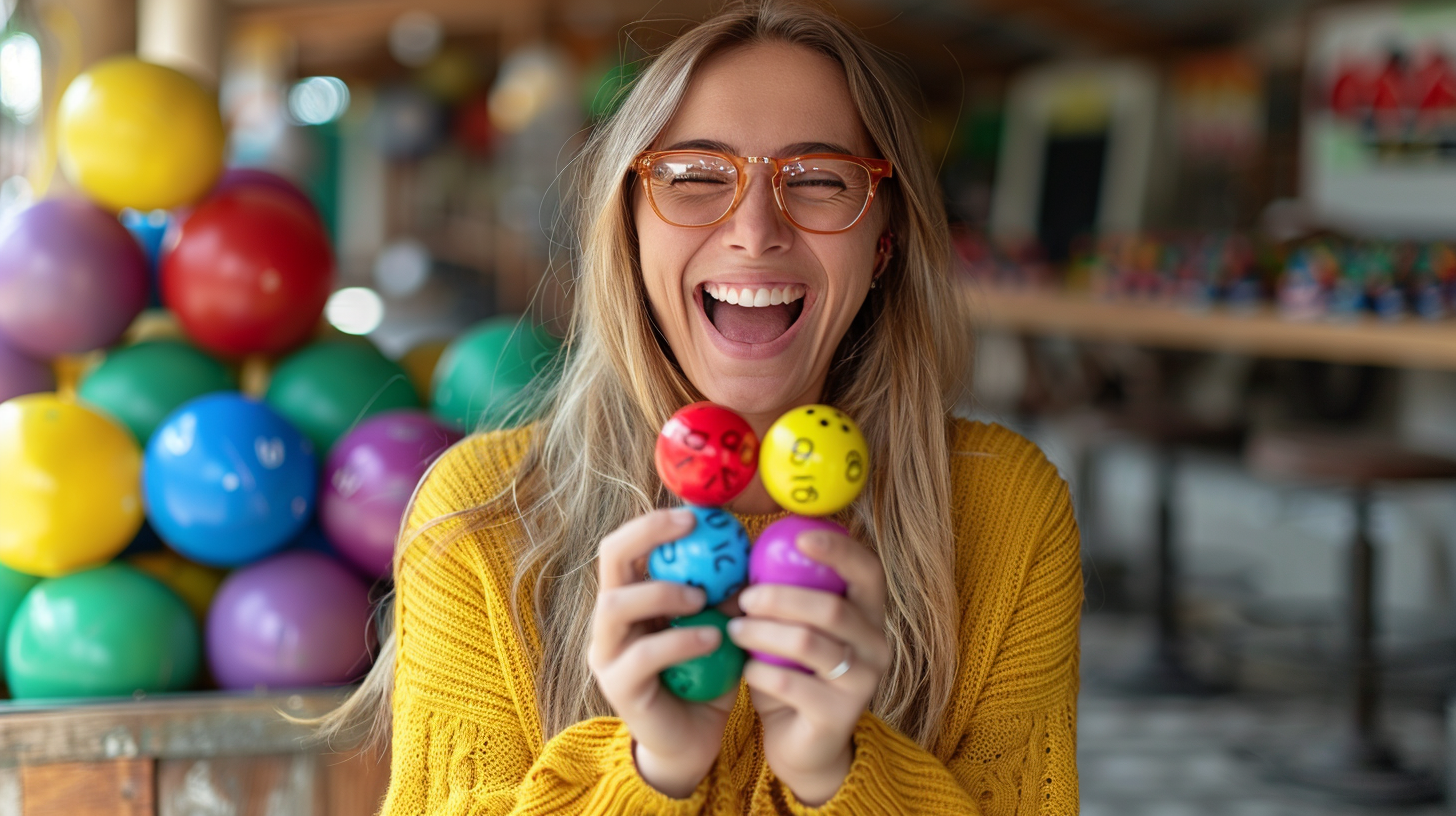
368	480
775	559
20	374
293	620
71	279
255	177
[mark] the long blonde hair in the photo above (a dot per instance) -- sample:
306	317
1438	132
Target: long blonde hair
900	368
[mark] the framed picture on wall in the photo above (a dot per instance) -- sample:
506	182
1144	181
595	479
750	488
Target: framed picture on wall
1379	142
1077	154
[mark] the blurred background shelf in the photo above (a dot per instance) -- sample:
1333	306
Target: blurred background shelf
1407	343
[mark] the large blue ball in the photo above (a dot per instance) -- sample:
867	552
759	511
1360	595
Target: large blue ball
713	557
227	480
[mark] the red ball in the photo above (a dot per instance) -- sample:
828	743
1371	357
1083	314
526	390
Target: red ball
250	272
706	454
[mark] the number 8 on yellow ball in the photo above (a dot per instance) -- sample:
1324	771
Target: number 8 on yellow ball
814	460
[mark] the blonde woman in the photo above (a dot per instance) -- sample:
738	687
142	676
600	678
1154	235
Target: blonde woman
718	262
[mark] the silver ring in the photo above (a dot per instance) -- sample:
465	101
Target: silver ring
839	670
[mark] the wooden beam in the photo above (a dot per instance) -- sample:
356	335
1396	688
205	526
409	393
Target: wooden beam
1078	21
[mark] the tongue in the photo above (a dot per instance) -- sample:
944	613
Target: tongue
750	324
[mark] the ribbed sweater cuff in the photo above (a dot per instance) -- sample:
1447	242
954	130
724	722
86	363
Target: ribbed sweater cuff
624	791
887	766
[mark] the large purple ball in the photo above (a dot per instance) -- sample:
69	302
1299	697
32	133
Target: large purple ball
293	620
71	278
20	374
775	559
368	480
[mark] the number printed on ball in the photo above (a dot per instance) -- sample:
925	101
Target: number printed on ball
713	557
706	454
814	461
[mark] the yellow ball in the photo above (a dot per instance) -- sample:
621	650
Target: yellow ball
194	583
134	134
814	460
70	486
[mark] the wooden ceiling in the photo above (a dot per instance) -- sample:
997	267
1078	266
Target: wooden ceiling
940	36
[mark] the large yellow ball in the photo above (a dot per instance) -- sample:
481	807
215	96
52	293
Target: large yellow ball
814	460
135	134
70	486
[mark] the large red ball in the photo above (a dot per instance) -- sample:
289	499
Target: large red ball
706	454
250	272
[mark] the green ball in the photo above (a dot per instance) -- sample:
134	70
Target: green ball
328	388
712	675
482	377
140	385
106	632
13	586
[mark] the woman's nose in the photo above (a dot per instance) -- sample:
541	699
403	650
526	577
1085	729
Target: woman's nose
758	225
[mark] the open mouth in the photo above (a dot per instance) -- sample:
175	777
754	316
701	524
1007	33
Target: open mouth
754	315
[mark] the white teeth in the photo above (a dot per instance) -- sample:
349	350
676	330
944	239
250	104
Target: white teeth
753	297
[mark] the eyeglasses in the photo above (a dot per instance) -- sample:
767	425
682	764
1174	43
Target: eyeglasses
820	192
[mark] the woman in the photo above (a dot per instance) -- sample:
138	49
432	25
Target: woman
527	642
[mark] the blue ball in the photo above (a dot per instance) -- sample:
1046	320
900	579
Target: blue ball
227	480
713	557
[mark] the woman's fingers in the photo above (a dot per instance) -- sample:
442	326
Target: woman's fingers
856	564
834	616
620	551
801	644
619	609
805	693
635	670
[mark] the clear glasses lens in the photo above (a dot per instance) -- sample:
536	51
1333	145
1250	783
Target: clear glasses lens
825	194
693	189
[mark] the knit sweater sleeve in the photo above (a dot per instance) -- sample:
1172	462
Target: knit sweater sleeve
466	735
1009	743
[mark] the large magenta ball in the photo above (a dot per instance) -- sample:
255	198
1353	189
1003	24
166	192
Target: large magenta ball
294	620
71	279
20	374
368	480
775	559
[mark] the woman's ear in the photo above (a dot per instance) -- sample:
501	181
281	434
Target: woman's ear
883	253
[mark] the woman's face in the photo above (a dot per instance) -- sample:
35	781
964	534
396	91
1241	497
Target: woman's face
760	100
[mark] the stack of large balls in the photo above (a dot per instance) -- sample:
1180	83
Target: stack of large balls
161	529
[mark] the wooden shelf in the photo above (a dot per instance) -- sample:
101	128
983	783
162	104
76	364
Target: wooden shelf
1409	343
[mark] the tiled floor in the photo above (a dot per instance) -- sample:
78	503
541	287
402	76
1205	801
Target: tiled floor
1201	757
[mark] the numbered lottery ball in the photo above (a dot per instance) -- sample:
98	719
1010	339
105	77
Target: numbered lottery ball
713	557
776	559
712	675
706	454
814	460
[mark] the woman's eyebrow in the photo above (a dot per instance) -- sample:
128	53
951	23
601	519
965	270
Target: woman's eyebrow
797	149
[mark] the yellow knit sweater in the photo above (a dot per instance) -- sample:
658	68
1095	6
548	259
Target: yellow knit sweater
467	734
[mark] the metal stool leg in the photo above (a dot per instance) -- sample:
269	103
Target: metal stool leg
1361	767
1166	672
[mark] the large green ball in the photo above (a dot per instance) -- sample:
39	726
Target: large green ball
482	377
140	385
13	586
106	632
328	388
712	675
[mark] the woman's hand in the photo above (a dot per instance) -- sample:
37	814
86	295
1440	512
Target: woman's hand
675	742
808	720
